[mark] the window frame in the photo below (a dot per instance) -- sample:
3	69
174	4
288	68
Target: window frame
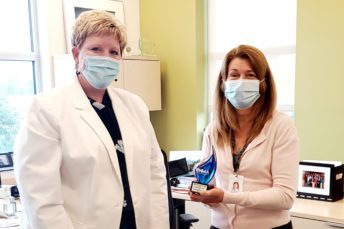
32	56
214	56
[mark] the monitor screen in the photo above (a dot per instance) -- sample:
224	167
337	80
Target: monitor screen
178	167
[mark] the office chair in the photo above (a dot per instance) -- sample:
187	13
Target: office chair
177	221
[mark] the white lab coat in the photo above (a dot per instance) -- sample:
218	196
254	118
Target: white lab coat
66	165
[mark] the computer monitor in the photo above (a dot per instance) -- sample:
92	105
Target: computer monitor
192	157
178	167
6	161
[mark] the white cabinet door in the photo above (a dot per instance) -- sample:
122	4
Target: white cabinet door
142	77
302	223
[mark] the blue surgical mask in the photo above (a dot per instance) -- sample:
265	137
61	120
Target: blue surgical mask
100	71
242	94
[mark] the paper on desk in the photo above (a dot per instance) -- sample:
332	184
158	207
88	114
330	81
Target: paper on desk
183	190
185	181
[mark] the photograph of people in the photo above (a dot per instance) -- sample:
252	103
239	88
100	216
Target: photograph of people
313	179
235	187
253	141
86	155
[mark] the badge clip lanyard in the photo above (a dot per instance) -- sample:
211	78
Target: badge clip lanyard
237	156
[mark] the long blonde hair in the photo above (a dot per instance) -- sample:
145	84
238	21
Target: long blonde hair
226	117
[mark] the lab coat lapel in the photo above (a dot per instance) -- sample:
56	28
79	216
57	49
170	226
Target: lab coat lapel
125	122
87	113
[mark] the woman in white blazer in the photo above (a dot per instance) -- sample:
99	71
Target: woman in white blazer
86	155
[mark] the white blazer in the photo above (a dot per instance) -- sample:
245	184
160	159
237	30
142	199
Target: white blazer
66	165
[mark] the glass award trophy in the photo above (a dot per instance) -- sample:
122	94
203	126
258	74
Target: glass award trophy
204	172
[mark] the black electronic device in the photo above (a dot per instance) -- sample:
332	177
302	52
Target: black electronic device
6	161
15	191
174	181
178	167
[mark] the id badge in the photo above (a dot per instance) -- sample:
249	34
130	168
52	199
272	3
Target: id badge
236	183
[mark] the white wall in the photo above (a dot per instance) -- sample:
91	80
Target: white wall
51	37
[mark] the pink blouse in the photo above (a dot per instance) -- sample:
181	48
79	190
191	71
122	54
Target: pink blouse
270	169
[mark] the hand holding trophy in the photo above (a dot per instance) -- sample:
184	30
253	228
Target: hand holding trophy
204	172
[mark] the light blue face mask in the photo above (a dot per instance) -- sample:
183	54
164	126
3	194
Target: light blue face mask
242	94
100	71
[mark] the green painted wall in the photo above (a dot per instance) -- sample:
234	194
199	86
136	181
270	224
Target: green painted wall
319	105
178	30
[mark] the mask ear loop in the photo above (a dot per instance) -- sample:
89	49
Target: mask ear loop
77	72
263	86
224	77
223	85
264	79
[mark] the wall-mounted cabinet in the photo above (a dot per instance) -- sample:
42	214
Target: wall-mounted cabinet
139	75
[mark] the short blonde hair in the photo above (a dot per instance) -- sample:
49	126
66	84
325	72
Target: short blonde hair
97	22
225	114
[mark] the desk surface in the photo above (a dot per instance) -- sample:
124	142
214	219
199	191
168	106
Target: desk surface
181	196
319	210
310	209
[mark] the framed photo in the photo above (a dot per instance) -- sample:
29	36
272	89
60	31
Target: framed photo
320	180
6	160
72	9
314	179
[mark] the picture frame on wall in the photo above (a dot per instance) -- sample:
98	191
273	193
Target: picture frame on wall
72	9
320	180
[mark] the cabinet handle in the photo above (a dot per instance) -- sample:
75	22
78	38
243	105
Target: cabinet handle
337	225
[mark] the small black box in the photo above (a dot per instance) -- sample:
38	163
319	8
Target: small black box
320	180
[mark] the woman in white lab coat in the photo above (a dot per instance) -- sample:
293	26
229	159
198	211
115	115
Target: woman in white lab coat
86	155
